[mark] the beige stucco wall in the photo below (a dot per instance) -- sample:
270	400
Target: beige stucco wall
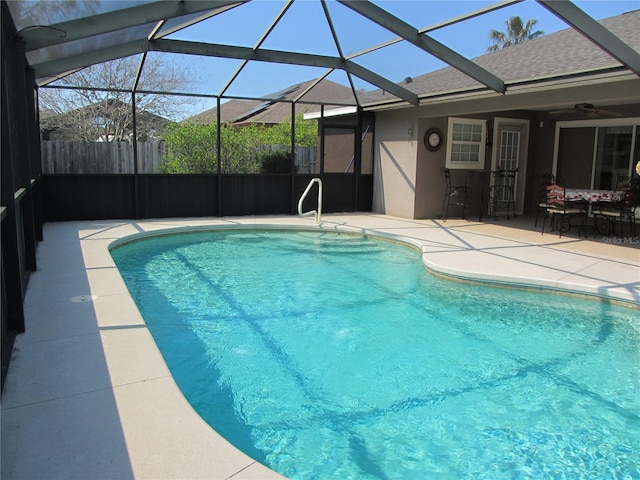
395	162
429	177
409	182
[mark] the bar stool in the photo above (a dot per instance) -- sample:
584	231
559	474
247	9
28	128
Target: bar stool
456	195
502	192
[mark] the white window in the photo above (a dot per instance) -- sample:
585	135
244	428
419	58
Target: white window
466	143
103	122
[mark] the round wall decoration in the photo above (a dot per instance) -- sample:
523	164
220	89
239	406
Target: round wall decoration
433	139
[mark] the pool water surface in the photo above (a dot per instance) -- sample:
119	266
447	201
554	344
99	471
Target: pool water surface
326	355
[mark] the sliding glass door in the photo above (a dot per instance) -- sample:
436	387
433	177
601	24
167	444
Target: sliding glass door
613	156
596	153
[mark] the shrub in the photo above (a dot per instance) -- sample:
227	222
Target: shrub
192	148
275	162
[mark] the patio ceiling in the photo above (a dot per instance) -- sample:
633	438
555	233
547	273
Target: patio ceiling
61	38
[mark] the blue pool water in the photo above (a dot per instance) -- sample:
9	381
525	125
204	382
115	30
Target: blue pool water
327	355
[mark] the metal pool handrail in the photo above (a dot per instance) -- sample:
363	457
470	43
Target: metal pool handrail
318	212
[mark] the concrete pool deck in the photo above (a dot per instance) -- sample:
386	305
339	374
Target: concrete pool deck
88	394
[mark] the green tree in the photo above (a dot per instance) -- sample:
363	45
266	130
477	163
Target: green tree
517	32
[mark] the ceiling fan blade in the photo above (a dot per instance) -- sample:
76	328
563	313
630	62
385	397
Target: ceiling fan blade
586	109
607	113
562	112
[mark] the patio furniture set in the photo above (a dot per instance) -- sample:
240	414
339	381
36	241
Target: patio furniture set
562	207
567	208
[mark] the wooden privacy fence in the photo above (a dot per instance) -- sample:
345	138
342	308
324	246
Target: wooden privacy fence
100	157
117	157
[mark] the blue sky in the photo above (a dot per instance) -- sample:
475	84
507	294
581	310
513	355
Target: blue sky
303	28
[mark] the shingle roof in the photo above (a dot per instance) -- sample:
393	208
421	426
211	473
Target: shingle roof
558	54
265	112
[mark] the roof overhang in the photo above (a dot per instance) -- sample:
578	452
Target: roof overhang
334	112
614	86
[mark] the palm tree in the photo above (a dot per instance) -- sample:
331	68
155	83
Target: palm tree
517	32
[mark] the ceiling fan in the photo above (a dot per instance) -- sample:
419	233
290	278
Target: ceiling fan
587	109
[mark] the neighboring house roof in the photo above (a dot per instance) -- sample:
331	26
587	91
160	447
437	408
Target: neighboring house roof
240	112
57	124
560	54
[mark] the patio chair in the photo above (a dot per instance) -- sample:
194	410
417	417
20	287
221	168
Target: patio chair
456	195
543	181
561	212
623	211
502	192
622	182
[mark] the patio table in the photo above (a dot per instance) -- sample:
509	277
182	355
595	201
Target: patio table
593	196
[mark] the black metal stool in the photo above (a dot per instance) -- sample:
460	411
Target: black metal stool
502	192
457	195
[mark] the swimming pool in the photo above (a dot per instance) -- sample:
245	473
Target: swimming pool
327	355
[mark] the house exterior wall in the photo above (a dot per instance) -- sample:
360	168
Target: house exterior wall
338	150
395	154
414	187
430	185
408	178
